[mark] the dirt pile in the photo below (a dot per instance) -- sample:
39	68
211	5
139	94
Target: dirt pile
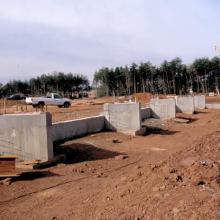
187	186
164	175
142	97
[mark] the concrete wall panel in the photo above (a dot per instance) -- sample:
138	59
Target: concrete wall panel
123	116
163	108
77	128
185	104
199	101
26	135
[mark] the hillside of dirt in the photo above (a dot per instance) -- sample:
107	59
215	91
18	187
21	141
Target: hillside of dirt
172	174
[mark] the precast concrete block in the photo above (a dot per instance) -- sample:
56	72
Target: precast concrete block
199	101
28	136
163	108
185	104
123	117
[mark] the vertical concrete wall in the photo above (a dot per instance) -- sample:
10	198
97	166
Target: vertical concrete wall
26	135
163	108
123	117
76	128
185	104
199	101
145	113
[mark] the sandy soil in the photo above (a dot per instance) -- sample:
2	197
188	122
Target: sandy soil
79	109
174	174
213	99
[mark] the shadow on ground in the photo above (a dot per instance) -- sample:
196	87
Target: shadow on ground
79	152
32	175
200	112
158	130
156	126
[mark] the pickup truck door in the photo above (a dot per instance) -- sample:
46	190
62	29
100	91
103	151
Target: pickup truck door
58	100
49	100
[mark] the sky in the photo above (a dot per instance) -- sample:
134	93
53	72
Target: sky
81	36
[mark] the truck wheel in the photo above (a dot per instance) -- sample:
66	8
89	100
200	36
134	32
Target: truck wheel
40	105
66	105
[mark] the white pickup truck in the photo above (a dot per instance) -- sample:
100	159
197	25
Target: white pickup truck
50	99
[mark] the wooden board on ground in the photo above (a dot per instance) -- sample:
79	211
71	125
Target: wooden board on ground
7	164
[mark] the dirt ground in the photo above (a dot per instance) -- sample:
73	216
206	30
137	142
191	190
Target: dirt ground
81	108
170	174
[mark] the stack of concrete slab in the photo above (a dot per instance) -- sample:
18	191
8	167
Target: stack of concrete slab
123	117
199	101
163	108
185	104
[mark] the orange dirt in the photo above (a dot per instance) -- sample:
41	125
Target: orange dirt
142	97
171	175
79	109
213	99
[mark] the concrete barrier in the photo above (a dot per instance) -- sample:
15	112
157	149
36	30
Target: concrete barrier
76	128
146	113
28	136
185	104
199	101
31	136
163	108
213	106
123	117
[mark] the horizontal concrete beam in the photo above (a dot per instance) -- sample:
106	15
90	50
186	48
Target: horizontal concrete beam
213	106
76	128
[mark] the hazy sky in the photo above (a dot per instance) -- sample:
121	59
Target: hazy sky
81	36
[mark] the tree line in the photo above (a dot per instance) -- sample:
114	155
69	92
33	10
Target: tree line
171	77
59	82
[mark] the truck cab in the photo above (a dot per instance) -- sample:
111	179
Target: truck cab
49	99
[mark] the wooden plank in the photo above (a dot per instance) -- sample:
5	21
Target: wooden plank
9	175
8	156
7	164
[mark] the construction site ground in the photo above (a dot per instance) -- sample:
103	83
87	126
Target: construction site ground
80	108
172	173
